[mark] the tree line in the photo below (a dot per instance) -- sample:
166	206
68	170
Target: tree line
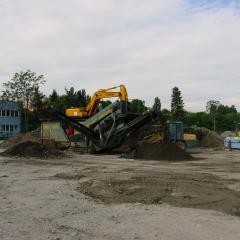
24	87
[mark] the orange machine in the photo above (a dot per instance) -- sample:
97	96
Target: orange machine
92	106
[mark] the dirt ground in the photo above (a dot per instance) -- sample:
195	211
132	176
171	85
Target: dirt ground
107	197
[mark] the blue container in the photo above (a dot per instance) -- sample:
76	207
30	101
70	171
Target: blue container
10	118
176	131
232	143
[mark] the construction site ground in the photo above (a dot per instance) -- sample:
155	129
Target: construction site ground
108	197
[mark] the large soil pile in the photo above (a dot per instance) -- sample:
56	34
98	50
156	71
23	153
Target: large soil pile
158	151
208	138
228	134
32	149
33	136
129	144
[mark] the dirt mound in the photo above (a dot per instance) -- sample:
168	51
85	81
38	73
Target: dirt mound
208	138
128	145
204	191
228	134
158	151
33	136
32	149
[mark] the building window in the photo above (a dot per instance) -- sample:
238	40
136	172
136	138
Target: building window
3	113
16	113
8	128
12	113
7	113
2	128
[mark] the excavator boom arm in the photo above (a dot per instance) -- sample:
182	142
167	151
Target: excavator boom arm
92	106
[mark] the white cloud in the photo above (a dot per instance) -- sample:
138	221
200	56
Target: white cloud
151	46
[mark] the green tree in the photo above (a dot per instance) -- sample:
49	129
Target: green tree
197	119
53	96
37	100
82	98
166	113
56	101
21	88
157	105
76	99
157	109
177	105
137	106
212	108
224	109
226	122
226	118
70	98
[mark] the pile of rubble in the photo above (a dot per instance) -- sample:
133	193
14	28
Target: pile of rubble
228	134
157	151
32	136
208	138
29	145
32	149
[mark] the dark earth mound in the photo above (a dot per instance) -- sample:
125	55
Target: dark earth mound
31	149
32	136
158	151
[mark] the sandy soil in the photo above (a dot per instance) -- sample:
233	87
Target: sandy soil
107	197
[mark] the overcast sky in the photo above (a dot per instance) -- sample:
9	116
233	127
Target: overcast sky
148	45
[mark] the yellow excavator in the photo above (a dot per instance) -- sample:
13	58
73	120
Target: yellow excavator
97	129
92	107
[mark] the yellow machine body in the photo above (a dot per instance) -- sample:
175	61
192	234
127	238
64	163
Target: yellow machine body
189	137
